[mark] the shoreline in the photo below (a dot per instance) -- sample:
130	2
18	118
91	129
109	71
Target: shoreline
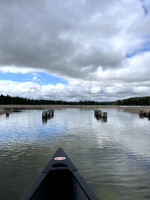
133	109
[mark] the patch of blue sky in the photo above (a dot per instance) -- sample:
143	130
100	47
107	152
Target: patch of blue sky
44	78
40	78
12	76
146	47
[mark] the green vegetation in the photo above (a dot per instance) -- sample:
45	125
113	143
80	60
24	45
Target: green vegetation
141	101
9	100
6	100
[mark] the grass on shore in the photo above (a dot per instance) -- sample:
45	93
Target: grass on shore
13	108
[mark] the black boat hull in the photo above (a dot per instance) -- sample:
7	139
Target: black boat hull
60	179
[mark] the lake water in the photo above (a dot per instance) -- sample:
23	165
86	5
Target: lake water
113	156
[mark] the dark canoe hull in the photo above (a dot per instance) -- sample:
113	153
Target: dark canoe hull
60	179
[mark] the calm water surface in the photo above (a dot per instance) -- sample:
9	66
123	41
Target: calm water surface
113	156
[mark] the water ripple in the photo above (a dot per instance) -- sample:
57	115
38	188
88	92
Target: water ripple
113	157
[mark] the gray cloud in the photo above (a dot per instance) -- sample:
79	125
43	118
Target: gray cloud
79	40
44	34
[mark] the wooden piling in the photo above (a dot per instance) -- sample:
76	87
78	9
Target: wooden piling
7	114
99	114
47	114
44	114
104	115
143	113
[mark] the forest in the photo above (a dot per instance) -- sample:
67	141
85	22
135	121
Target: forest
7	99
138	101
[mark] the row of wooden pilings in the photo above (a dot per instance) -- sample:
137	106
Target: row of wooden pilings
143	113
99	114
47	115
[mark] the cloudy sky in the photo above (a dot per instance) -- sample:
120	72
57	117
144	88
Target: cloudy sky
75	49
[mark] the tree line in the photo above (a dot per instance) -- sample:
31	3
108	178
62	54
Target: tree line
7	99
137	101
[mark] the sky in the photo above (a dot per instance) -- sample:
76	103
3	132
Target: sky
75	50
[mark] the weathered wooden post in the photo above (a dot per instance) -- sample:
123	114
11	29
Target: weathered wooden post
104	119
7	114
48	114
104	115
141	112
44	114
97	113
149	113
51	113
145	114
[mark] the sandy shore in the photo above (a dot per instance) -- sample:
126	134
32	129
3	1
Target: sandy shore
134	109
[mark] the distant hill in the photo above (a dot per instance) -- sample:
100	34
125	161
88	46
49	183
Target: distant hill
141	101
7	99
